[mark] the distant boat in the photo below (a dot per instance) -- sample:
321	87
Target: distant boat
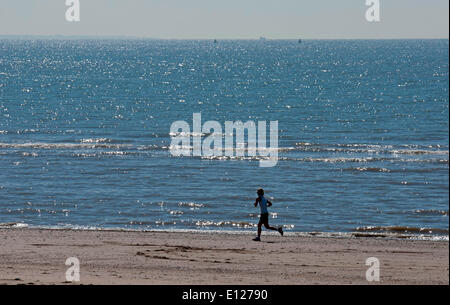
215	40
262	38
299	41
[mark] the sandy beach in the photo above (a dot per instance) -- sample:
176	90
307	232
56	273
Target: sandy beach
38	256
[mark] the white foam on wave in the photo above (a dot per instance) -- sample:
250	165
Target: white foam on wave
444	238
96	140
13	225
41	145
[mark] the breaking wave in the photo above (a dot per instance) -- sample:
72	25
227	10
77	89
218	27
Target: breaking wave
402	229
68	146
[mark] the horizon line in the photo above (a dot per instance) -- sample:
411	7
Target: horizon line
123	37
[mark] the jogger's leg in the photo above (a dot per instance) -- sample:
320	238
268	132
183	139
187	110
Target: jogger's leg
279	229
266	225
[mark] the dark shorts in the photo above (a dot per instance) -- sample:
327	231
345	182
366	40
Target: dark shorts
264	218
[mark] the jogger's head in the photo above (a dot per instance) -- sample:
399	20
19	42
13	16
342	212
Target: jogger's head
260	192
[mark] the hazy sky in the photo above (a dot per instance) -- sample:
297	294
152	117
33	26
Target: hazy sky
228	18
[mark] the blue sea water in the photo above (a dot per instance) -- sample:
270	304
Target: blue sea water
363	134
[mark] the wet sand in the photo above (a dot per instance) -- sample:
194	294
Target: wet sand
38	256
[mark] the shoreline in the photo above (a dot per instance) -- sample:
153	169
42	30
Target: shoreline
397	233
38	256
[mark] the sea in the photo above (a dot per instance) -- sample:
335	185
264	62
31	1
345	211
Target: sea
363	135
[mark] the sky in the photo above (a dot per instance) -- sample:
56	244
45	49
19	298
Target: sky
228	19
